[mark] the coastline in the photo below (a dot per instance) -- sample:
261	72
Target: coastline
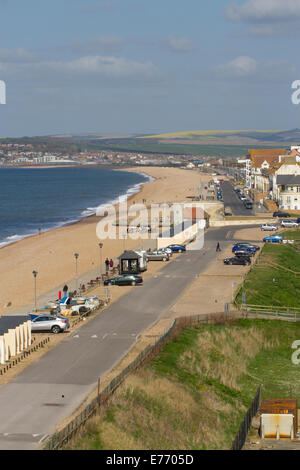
86	213
52	252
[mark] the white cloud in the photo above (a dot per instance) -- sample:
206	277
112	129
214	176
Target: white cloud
264	10
180	44
245	67
116	67
240	67
86	66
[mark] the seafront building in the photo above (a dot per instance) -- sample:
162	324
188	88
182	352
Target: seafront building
275	177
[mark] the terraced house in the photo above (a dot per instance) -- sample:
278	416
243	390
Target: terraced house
275	175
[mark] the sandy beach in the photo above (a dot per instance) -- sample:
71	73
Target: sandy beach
52	253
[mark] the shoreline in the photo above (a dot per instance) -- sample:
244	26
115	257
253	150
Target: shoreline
82	218
51	253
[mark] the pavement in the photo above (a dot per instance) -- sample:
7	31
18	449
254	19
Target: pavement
49	390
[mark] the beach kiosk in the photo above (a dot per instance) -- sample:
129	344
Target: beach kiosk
130	262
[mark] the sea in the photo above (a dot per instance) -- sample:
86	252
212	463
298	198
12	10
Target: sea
49	198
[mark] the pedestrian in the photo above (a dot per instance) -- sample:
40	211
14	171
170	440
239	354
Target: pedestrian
218	247
111	263
107	264
65	290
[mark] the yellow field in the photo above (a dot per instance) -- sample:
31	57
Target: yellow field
189	134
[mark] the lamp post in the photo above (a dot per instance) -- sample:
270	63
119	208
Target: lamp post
100	246
35	273
76	255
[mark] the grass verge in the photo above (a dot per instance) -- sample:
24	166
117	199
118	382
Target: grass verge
269	285
195	393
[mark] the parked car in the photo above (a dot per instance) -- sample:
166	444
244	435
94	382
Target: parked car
124	280
247	246
242	252
276	238
54	323
248	204
289	223
269	227
167	250
158	255
242	260
177	248
282	215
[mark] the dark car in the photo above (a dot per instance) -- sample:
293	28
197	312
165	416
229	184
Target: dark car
242	260
281	214
242	252
124	280
248	204
245	246
177	248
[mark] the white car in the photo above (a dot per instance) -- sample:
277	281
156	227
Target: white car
269	227
289	223
168	251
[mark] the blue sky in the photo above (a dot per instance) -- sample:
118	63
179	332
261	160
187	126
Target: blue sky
147	66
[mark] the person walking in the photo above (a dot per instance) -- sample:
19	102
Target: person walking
65	291
111	264
107	264
218	247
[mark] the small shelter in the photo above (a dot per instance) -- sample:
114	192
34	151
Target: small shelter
130	262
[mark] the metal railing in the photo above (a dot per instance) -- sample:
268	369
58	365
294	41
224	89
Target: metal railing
242	434
267	311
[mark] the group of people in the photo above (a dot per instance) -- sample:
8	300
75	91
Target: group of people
109	264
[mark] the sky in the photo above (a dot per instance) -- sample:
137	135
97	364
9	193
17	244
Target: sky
148	66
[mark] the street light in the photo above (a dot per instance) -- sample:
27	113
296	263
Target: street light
35	273
76	255
100	246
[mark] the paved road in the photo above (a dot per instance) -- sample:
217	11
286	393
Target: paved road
37	400
231	200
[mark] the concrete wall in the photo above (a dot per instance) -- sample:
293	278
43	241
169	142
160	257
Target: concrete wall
15	341
229	223
181	237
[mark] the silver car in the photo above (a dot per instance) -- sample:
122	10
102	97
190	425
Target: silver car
289	223
53	323
269	227
157	256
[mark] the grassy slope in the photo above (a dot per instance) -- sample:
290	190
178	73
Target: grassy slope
266	285
194	395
